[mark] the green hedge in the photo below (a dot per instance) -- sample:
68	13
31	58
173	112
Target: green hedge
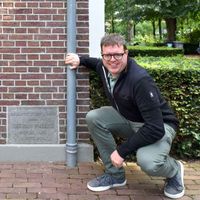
179	81
154	51
190	48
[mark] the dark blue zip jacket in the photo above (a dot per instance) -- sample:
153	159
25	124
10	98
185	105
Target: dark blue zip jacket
138	99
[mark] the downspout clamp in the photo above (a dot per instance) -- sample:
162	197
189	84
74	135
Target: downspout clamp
71	144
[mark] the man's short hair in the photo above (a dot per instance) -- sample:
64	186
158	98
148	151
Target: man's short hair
113	39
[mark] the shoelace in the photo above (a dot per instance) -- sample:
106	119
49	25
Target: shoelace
105	179
174	183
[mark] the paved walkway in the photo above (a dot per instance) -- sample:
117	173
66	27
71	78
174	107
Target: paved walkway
55	181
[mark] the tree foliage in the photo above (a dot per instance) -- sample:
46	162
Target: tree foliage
132	12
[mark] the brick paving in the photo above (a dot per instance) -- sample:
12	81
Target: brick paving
56	181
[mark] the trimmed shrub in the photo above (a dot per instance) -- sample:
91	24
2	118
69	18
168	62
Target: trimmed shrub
154	51
179	81
190	48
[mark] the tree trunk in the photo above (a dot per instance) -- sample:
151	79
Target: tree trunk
134	30
160	28
154	29
112	25
129	31
171	29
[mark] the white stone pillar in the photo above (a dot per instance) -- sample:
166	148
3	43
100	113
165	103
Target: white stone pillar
96	26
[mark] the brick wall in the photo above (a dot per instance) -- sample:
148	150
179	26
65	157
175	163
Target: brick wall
32	48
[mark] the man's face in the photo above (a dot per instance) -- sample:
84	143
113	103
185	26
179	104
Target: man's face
114	58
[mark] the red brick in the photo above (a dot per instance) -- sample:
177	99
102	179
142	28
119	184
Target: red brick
23	11
21	69
34	24
55	76
20	4
21	63
2	129
21	37
8	4
20	83
45	63
8	57
8	44
33	83
20	17
8	96
33	96
58	5
45	89
33	57
58	82
45	4
20	57
33	44
33	4
32	17
45	17
56	102
33	76
9	50
9	76
32	50
21	89
33	102
21	96
20	30
8	69
7	83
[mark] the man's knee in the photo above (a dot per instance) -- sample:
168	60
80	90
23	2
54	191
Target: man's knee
91	116
98	114
148	164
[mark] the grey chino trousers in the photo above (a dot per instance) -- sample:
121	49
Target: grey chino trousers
153	159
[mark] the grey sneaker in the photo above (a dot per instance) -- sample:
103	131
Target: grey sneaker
174	187
105	182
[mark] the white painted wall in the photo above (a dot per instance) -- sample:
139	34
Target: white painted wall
96	26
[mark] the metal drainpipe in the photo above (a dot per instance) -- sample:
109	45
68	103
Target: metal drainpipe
71	144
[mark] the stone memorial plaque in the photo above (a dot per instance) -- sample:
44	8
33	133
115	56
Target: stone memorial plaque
32	125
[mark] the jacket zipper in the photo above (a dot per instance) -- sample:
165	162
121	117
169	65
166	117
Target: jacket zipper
109	88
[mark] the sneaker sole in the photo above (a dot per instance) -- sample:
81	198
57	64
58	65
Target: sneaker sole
104	188
183	192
